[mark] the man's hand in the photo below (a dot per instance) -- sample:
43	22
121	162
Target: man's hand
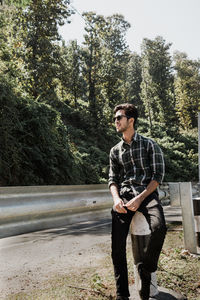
134	203
119	206
118	203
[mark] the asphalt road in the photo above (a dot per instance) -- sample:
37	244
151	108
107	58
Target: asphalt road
30	258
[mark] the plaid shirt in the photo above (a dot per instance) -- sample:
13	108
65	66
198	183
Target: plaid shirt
133	166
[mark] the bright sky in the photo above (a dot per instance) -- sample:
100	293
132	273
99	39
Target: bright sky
177	21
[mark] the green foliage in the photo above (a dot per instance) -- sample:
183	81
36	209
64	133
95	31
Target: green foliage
134	80
157	81
8	43
187	90
56	101
180	150
105	60
92	150
72	87
34	143
41	38
18	3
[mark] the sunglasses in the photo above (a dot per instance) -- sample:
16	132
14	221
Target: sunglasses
118	118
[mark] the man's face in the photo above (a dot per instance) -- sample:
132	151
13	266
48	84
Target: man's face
121	121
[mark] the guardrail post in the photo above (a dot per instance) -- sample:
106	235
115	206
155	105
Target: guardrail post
174	191
199	142
140	234
196	205
190	239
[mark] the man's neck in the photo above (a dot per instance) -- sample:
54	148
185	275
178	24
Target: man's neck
128	135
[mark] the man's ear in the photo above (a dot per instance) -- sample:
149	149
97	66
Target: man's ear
132	120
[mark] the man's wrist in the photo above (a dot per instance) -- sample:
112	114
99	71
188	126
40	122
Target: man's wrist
117	200
142	196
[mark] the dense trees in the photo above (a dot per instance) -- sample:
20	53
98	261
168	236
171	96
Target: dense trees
157	81
42	51
56	98
105	58
187	90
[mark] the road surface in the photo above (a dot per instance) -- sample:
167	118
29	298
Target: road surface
30	258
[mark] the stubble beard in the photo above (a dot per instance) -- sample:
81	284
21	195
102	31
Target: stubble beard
122	129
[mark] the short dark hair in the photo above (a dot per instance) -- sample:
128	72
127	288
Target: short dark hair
130	110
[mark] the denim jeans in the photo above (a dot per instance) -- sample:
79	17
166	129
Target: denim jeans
120	229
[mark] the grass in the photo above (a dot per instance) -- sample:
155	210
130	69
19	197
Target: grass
177	270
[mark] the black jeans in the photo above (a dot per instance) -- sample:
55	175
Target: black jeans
120	228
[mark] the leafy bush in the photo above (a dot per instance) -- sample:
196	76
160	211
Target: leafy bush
39	147
34	143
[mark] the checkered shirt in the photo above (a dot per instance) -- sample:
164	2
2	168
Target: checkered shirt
134	166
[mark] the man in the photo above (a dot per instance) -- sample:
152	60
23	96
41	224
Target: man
136	169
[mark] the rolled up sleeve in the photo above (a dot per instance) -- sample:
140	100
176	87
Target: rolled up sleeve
114	171
157	163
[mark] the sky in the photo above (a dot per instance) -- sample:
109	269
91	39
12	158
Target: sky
177	21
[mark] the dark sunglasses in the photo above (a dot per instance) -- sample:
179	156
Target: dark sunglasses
118	118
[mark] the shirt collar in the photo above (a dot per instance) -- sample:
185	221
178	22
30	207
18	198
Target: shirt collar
135	138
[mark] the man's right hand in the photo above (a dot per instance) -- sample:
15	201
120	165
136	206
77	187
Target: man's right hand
118	203
119	206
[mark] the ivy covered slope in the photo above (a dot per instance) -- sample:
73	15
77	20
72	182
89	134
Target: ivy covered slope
38	148
35	148
57	97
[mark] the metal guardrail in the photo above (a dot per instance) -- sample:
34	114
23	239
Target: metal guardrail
30	208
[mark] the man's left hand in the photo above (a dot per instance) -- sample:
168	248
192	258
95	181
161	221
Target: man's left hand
134	203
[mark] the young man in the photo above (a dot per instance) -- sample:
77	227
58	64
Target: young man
136	169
